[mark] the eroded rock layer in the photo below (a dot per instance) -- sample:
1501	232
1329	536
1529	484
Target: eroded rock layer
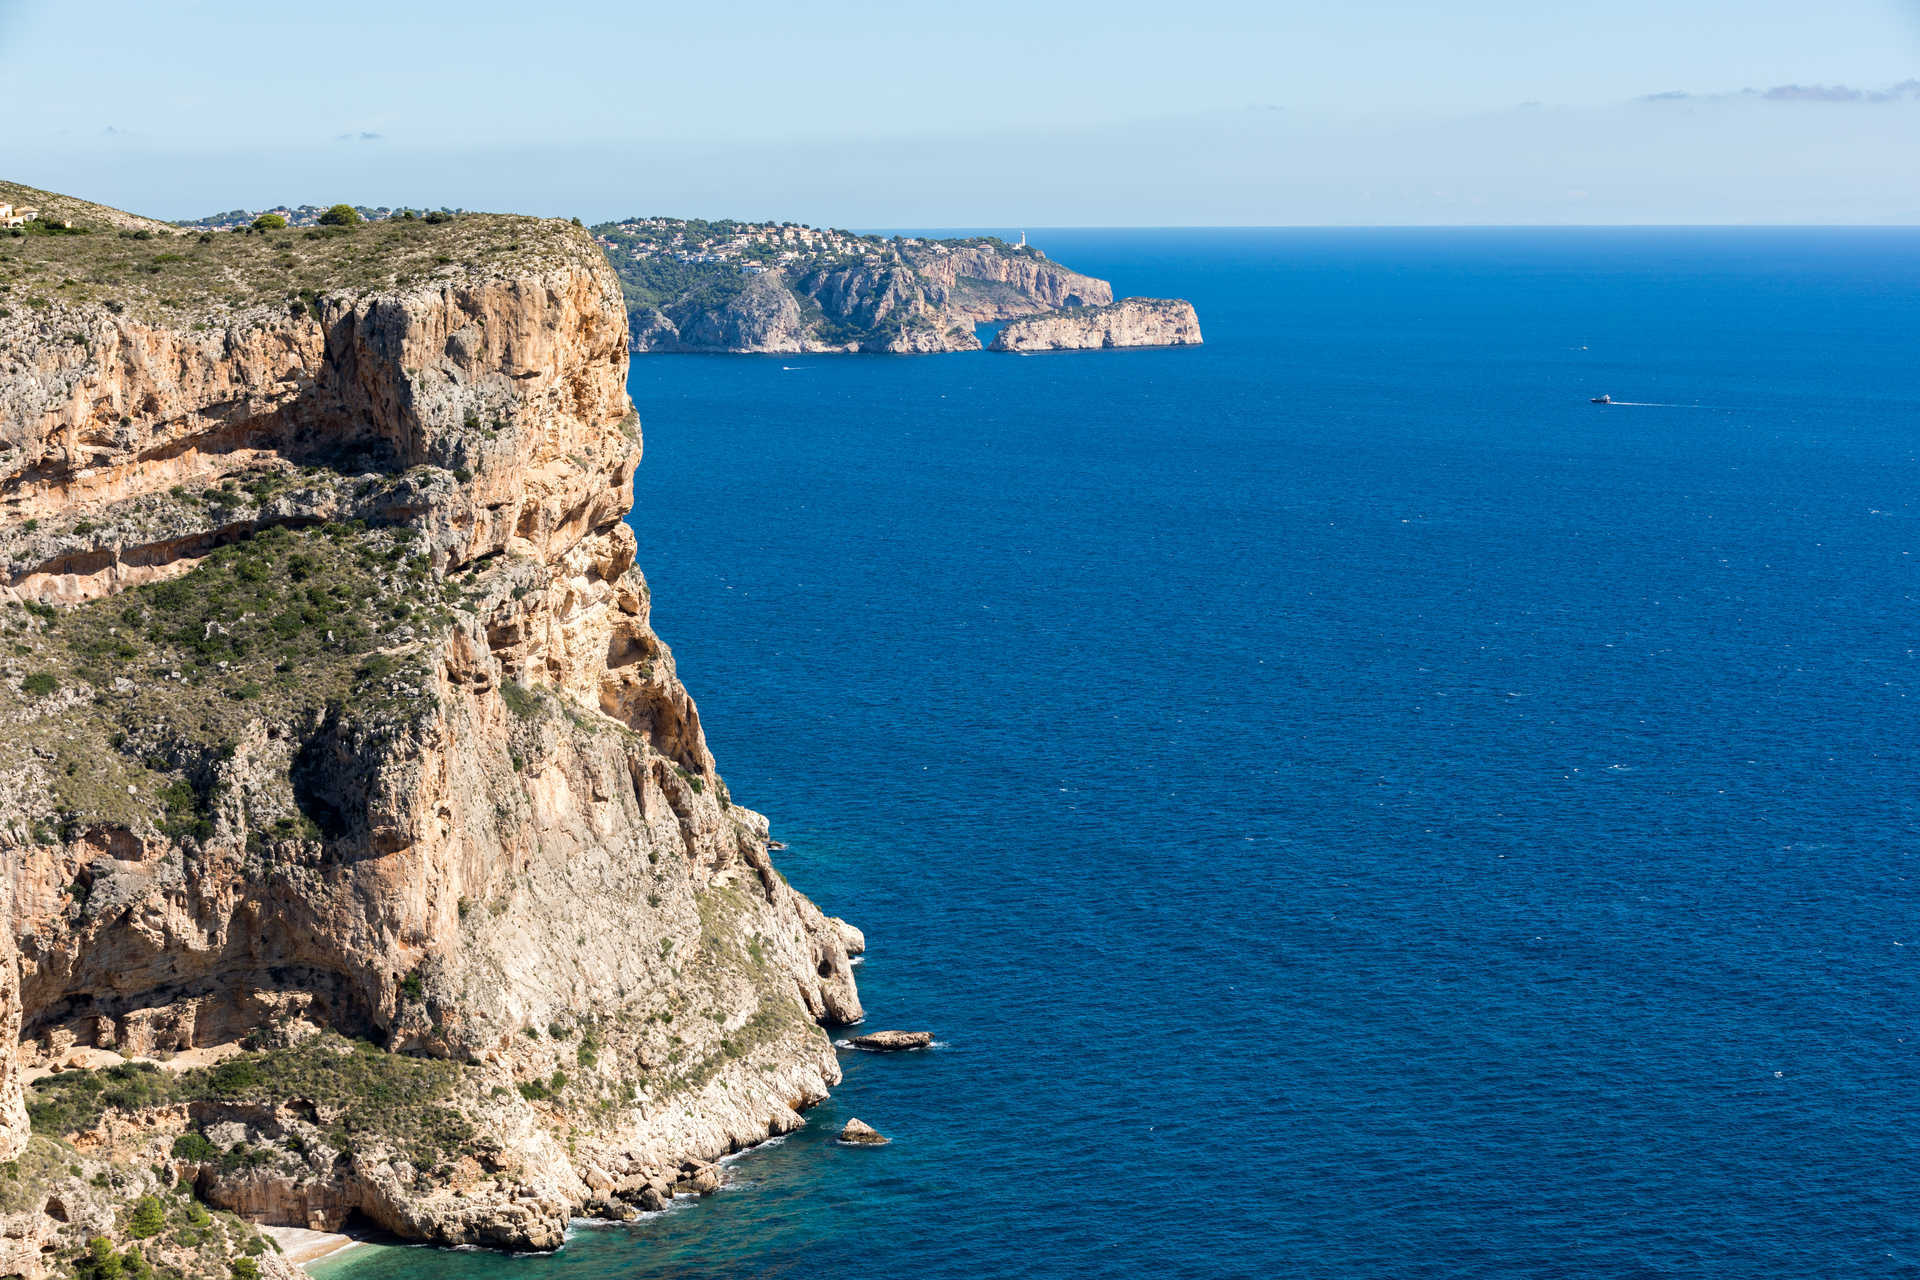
336	749
1130	322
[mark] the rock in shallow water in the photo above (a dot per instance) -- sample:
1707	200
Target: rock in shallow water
701	1180
860	1133
893	1041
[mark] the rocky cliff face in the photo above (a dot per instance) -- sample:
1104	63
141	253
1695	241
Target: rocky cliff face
334	734
1131	322
920	299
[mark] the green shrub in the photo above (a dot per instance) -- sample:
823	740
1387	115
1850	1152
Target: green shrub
39	684
149	1218
234	1076
74	1101
241	1156
99	1262
340	215
195	1146
269	222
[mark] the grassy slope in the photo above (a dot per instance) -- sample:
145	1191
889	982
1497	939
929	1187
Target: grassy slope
54	205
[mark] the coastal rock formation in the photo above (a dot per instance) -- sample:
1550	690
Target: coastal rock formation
901	297
54	1195
1131	322
858	1133
893	1041
334	726
764	316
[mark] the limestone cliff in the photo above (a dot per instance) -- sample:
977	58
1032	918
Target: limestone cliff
334	736
1131	322
879	295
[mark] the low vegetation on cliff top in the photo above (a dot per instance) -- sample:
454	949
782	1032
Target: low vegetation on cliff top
152	271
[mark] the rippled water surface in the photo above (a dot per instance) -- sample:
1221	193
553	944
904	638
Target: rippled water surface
1351	807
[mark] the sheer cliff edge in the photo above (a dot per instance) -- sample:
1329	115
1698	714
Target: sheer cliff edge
364	854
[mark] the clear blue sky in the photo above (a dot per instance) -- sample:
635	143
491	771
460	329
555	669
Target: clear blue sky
1121	111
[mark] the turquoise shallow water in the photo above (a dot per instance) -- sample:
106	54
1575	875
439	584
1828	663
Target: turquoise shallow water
1351	807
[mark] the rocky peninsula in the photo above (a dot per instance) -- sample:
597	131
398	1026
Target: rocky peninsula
365	859
1131	322
789	288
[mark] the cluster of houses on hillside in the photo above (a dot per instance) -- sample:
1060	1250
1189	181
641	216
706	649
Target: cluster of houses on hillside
750	247
16	217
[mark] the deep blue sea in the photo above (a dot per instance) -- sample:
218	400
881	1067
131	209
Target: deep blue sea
1351	807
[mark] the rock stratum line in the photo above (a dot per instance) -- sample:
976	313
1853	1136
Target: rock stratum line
358	833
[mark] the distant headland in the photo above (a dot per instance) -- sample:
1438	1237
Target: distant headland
787	287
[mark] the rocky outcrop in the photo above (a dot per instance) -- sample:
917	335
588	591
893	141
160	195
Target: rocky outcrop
1131	322
858	1133
335	710
55	1201
893	1041
764	316
917	297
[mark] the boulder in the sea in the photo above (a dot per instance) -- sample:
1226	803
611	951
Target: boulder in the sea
700	1180
893	1041
859	1133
